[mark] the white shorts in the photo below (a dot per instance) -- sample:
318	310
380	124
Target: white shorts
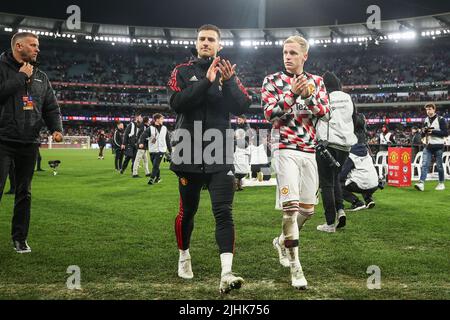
297	177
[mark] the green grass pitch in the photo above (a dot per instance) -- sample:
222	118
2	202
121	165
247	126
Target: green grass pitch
119	231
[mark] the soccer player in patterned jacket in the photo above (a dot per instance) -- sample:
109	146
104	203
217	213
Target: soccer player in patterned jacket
293	101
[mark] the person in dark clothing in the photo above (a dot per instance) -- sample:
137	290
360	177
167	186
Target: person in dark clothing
360	126
39	160
129	142
156	138
12	180
204	92
27	102
116	144
101	144
416	141
359	175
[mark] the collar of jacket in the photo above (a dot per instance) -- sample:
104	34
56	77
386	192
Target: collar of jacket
431	119
8	58
308	75
203	63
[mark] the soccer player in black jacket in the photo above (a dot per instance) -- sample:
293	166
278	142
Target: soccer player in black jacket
27	102
204	92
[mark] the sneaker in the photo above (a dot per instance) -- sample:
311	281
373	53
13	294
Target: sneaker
342	218
21	246
298	279
326	228
136	176
148	175
158	180
151	181
282	255
440	186
185	269
419	186
370	204
230	282
357	206
260	176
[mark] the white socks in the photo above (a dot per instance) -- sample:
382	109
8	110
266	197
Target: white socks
184	255
226	260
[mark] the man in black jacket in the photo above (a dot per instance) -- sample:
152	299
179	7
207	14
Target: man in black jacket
129	142
27	101
117	143
204	93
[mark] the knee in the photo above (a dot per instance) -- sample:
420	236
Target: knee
306	210
222	213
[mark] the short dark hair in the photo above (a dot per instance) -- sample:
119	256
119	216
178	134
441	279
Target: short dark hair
145	119
209	27
21	35
157	116
430	105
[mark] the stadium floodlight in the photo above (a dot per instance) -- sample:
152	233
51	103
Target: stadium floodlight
163	41
311	42
345	40
112	43
246	43
438	32
74	40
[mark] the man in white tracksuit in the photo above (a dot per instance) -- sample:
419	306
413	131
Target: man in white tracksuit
336	136
157	136
241	152
141	152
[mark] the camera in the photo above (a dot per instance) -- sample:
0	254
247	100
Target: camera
321	149
427	130
54	165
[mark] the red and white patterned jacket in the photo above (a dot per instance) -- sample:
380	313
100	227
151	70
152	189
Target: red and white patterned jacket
294	117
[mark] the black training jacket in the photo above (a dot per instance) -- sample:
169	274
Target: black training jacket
195	99
17	124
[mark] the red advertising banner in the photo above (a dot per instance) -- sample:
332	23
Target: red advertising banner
399	167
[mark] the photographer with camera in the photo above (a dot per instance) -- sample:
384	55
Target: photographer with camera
335	136
434	132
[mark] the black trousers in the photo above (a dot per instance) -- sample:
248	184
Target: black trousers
130	154
118	159
24	157
100	153
155	158
39	159
221	190
12	178
329	184
347	192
